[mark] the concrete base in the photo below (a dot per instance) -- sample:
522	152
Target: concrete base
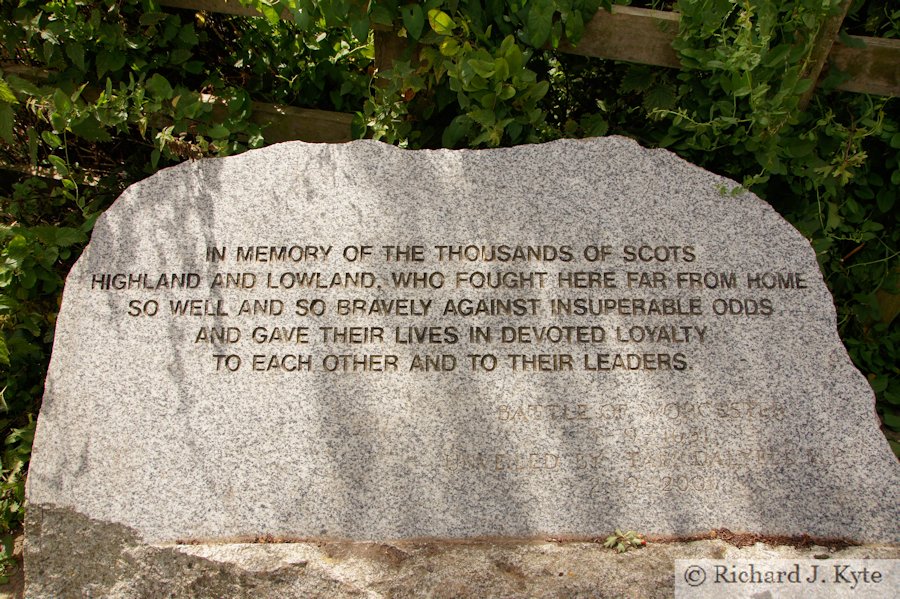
107	560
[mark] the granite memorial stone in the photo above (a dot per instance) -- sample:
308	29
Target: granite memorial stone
362	342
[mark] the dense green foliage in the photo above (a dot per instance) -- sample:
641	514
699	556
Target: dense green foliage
97	95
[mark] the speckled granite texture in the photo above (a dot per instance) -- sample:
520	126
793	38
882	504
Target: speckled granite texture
676	368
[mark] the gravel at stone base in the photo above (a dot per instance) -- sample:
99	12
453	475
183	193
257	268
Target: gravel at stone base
432	569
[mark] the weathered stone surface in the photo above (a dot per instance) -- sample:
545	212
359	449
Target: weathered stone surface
709	390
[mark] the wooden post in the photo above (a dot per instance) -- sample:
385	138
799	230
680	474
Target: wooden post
819	55
388	47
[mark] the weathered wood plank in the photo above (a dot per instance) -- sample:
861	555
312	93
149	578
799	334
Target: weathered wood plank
279	122
228	7
631	34
874	69
286	123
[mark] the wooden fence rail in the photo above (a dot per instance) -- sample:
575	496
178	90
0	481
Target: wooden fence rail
636	35
278	121
645	36
628	34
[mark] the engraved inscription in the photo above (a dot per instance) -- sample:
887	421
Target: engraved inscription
550	309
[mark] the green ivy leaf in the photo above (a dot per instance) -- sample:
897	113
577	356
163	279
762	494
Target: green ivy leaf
4	352
360	27
75	52
659	97
574	26
61	102
6	94
834	219
150	19
539	22
271	15
59	164
188	35
51	139
441	22
636	79
218	132
777	55
456	131
538	91
28	278
110	61
891	419
58	236
886	199
802	86
159	87
449	47
180	55
381	15
798	148
22	86
303	13
513	55
485	118
595	125
484	68
413	20
506	92
879	383
90	128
